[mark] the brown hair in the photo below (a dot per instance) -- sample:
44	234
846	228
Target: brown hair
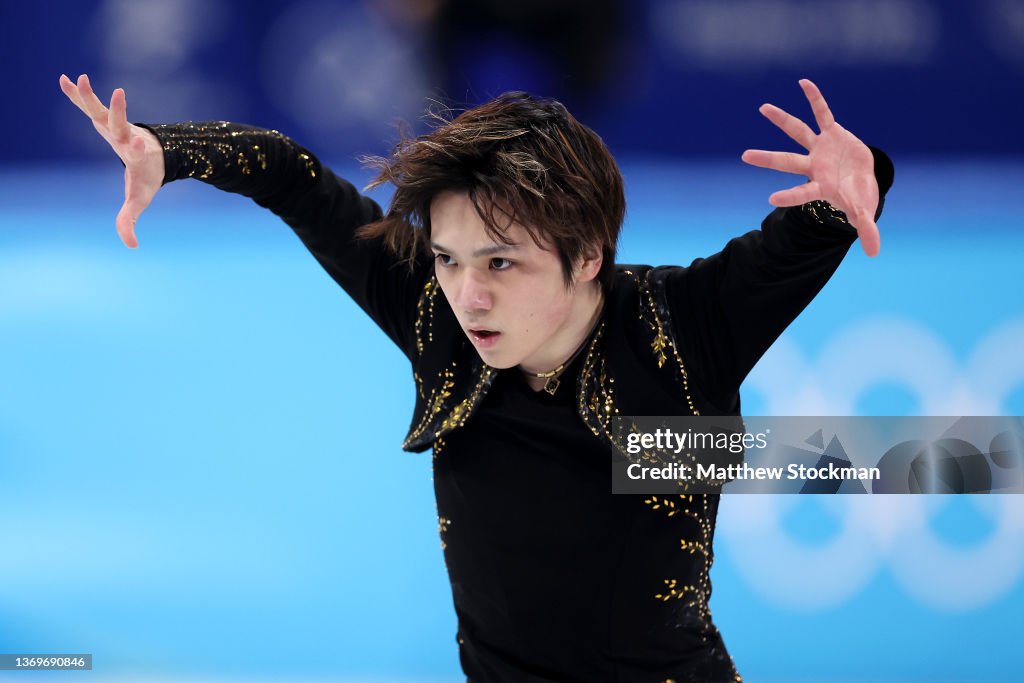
521	159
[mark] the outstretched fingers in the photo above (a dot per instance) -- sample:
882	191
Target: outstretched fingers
93	107
71	90
787	162
117	117
790	125
822	114
795	196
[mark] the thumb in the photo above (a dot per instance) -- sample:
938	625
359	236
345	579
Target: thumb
867	232
125	223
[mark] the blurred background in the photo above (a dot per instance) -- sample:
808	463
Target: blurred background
200	473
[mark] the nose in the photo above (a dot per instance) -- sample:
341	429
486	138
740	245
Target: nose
472	292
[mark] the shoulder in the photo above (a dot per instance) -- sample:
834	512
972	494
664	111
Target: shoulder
638	309
643	287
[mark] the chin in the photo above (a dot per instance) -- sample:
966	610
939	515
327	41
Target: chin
497	360
500	358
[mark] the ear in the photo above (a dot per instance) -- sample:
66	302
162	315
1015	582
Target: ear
590	266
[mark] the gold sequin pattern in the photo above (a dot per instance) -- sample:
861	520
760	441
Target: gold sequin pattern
662	341
308	161
696	539
828	212
444	411
441	419
696	509
425	314
597	404
461	412
201	149
261	157
442	528
435	403
596	400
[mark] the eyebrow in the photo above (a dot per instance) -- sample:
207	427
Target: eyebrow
485	251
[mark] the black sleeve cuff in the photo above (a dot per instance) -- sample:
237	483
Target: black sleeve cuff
884	174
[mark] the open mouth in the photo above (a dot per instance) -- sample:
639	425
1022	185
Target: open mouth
483	337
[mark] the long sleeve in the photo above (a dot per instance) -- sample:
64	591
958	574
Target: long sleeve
729	308
323	210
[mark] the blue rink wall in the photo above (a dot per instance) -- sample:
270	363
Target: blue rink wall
200	476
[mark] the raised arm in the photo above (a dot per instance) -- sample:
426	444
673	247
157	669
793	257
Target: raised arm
729	308
278	174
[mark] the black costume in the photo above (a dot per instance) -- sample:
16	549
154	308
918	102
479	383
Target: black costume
553	577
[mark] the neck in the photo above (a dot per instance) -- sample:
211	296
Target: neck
584	315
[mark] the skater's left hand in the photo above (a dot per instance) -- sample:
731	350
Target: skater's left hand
838	166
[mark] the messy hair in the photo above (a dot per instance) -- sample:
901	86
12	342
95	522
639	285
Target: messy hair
520	159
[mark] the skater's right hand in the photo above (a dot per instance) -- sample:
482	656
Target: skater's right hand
138	148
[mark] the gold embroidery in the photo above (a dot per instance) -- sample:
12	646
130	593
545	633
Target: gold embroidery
425	313
435	403
261	157
663	341
461	412
442	528
204	147
309	164
693	596
827	211
675	591
243	164
592	399
434	416
596	400
658	346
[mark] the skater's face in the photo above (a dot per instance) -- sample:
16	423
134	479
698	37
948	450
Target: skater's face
510	299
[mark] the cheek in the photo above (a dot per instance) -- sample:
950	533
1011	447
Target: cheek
549	316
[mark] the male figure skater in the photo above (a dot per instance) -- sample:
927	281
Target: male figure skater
494	271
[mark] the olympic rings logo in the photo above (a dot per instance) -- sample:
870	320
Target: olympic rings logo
875	533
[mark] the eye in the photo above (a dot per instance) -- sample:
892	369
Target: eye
444	260
500	264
